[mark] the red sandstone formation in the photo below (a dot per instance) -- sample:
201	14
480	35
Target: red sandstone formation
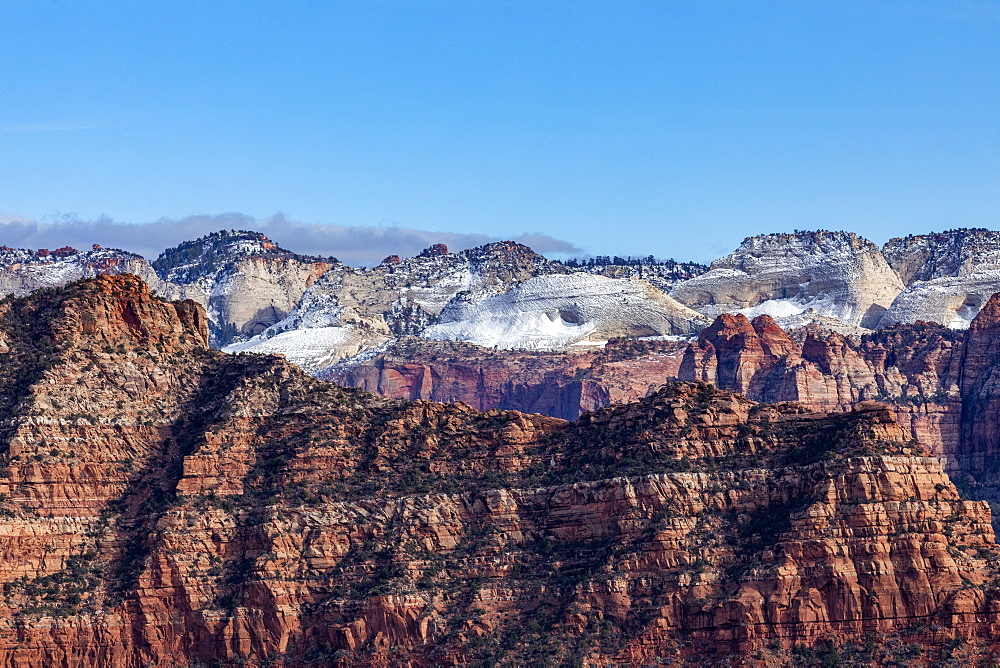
167	504
940	383
557	384
434	250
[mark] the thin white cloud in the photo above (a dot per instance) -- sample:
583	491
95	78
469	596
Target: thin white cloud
354	245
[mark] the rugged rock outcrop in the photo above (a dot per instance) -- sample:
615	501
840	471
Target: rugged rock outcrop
925	257
838	274
937	381
949	276
499	295
168	504
245	281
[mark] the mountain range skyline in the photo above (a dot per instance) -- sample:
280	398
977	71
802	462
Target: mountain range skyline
353	245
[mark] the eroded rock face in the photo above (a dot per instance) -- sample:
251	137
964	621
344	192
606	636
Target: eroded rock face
838	274
979	387
245	281
955	253
168	504
557	384
936	380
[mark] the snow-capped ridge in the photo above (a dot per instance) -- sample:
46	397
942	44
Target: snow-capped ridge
837	274
206	256
950	275
555	311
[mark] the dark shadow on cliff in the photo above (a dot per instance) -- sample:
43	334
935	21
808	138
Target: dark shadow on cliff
154	489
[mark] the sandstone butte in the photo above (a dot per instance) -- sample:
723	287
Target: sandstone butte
167	504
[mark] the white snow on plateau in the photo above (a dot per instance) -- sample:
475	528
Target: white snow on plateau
309	348
952	301
555	311
776	308
838	274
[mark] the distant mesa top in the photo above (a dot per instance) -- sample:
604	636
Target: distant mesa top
316	310
435	249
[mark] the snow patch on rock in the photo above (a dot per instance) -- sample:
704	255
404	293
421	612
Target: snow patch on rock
837	274
309	348
952	301
556	311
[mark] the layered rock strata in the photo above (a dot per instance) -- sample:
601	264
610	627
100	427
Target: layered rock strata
837	274
245	281
166	504
501	295
562	385
938	382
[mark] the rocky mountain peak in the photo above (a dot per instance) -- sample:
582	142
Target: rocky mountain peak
191	260
958	252
434	250
794	244
726	326
836	274
507	262
765	325
111	311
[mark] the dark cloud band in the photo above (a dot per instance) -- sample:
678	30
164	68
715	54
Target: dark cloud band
352	245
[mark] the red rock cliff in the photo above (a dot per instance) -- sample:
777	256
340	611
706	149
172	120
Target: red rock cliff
167	504
929	375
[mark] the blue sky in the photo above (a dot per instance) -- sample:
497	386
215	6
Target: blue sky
671	128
